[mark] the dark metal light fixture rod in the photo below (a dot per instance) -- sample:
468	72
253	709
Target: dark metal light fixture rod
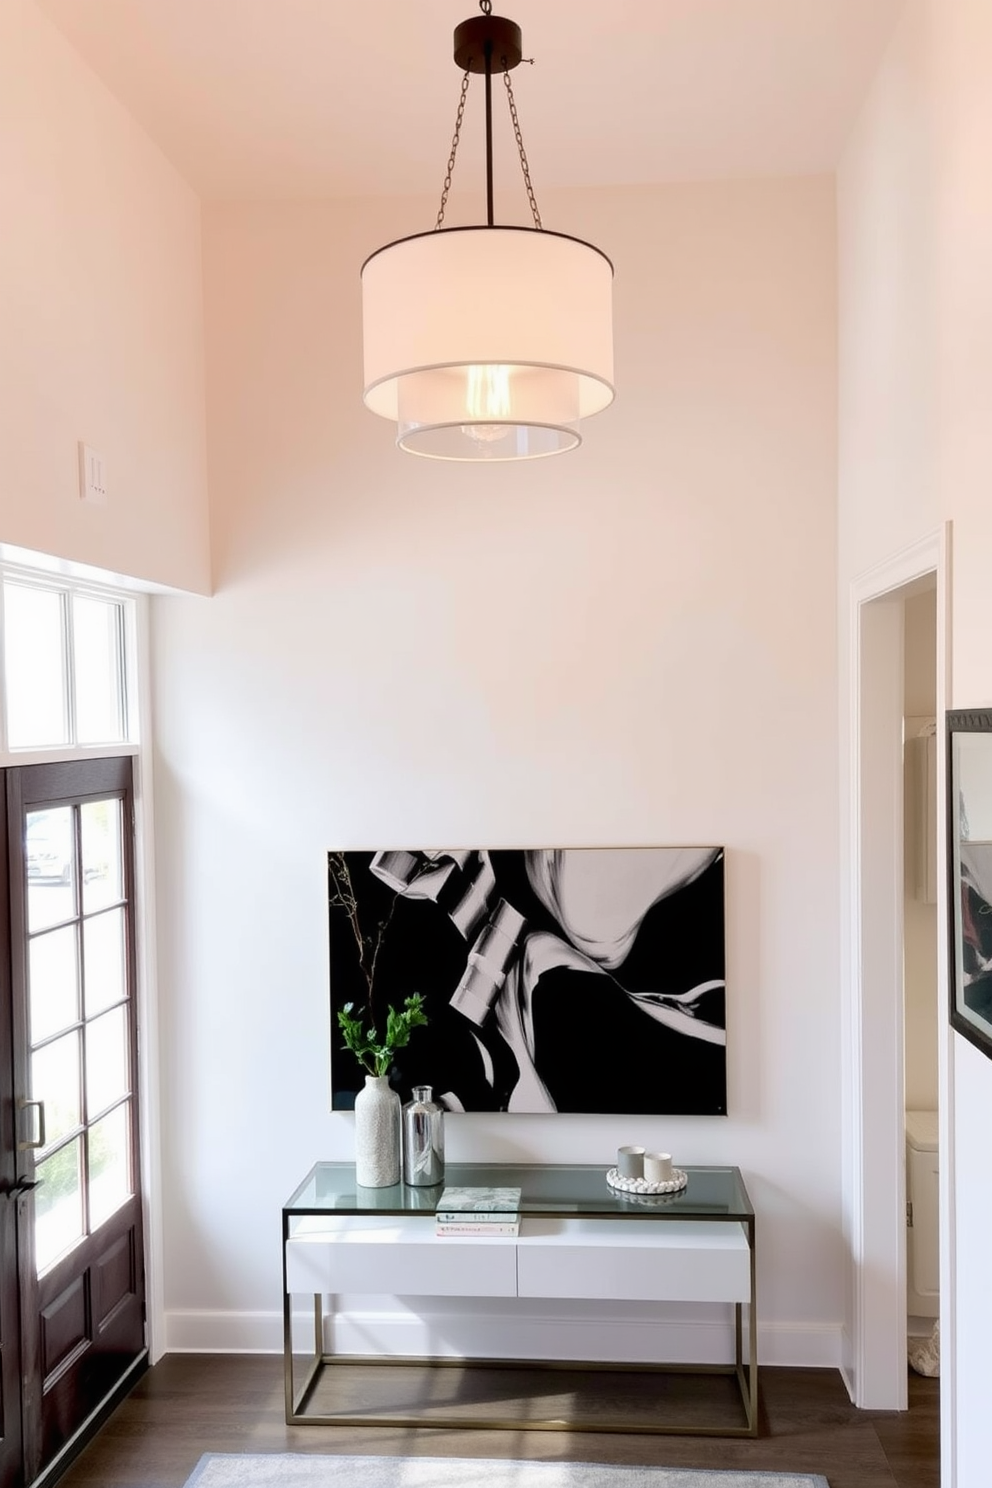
489	132
480	43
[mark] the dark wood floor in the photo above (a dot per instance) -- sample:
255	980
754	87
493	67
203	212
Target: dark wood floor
194	1403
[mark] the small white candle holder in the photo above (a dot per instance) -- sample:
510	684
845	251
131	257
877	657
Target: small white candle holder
617	1181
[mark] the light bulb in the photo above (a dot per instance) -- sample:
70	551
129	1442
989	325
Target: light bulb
487	396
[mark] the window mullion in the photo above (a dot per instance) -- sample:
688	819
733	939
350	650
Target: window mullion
68	669
120	643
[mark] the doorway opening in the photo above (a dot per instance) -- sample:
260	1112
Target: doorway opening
920	999
897	982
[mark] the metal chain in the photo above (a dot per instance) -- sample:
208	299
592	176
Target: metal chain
454	151
520	146
486	6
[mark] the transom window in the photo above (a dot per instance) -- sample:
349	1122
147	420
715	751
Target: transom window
65	659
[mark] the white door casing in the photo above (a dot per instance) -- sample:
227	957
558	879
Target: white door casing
874	1155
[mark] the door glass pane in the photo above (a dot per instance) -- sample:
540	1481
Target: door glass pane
58	1204
110	1166
33	657
106	1061
53	1001
55	1080
49	849
103	953
100	829
96	632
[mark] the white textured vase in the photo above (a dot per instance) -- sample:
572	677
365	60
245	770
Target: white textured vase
377	1134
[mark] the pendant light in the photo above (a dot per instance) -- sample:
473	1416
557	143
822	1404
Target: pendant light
488	342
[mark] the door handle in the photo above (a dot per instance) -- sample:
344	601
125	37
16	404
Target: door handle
23	1186
23	1105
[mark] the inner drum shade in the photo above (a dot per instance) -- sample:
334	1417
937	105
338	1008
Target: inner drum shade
488	342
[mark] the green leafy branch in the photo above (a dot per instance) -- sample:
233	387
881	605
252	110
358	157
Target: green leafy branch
375	1055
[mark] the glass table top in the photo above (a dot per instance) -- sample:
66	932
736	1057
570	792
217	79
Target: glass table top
545	1189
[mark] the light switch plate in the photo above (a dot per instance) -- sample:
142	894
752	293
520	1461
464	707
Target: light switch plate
92	476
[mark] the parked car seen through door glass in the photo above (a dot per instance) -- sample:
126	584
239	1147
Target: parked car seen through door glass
48	838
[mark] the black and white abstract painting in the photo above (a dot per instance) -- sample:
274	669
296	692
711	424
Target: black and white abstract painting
554	979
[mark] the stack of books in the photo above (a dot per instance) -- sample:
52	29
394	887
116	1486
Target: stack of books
478	1211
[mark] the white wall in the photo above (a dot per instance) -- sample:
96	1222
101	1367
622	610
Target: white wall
631	644
101	322
915	243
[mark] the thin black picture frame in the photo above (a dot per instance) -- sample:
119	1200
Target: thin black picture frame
969	991
555	980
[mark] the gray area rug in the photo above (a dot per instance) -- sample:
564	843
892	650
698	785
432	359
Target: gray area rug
296	1470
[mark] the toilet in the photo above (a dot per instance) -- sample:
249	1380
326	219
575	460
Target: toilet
922	1246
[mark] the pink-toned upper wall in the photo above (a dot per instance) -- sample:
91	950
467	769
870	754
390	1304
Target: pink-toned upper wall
101	322
887	334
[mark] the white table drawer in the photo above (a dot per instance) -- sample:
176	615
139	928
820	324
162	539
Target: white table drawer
634	1261
398	1257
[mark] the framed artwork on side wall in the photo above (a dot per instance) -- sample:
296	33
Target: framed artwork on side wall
969	866
554	979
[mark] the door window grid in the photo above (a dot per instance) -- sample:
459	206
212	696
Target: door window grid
78	1002
65	660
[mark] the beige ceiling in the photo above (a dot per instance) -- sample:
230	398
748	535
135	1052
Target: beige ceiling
316	98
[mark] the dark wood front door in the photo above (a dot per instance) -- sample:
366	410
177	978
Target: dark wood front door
80	1263
10	1345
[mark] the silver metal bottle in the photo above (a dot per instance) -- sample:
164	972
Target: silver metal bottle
423	1139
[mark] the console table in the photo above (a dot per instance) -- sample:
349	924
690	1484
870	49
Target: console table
578	1239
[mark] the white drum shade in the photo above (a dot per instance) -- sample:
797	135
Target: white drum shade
488	343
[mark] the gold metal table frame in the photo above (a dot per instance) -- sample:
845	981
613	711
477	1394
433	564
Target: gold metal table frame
565	1191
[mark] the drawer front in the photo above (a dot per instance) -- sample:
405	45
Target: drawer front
436	1266
707	1267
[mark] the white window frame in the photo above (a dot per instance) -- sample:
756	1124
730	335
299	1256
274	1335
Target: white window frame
131	711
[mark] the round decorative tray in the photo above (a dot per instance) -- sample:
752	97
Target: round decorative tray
678	1180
